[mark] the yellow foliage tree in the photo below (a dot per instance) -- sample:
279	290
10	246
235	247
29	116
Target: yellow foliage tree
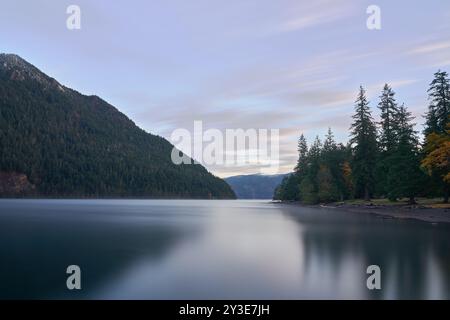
347	175
437	160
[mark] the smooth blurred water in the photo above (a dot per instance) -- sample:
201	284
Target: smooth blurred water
192	249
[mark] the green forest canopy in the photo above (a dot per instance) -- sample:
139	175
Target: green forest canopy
382	159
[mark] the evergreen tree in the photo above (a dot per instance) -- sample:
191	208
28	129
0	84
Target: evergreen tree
333	171
334	157
363	140
329	144
431	124
308	193
389	120
315	150
314	159
388	138
288	189
439	108
308	188
404	175
437	119
302	164
302	155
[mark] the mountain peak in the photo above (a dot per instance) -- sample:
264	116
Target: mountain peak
19	69
11	56
13	61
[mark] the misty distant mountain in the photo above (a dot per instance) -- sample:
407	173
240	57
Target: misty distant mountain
255	186
55	141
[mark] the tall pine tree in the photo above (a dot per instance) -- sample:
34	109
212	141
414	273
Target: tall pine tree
437	119
308	184
363	140
405	179
302	161
439	108
329	144
389	119
388	137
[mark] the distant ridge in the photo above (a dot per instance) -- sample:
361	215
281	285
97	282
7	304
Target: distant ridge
57	142
255	186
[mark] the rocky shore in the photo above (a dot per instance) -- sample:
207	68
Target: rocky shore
416	212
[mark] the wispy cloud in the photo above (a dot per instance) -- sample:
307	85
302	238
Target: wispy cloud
294	15
433	53
314	14
431	47
293	65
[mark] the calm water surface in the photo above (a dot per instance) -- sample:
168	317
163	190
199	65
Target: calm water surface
189	249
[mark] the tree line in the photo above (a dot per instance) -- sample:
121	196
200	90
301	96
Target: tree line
382	160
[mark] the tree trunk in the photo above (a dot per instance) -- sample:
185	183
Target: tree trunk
446	194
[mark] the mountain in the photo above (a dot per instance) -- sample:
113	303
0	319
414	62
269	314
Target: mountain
56	142
255	186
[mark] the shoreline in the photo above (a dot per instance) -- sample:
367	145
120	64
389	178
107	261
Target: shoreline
412	212
431	215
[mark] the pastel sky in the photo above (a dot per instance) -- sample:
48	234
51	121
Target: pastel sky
289	65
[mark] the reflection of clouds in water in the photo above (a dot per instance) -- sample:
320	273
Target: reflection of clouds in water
254	250
216	249
235	256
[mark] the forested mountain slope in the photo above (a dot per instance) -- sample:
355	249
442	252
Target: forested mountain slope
57	142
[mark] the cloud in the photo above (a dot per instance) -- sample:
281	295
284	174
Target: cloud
307	97
430	47
373	90
303	15
324	98
294	65
432	53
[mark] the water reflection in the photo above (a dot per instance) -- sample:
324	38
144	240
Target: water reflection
39	239
413	256
215	250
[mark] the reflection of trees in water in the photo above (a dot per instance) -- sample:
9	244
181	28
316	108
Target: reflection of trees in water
404	251
442	254
35	252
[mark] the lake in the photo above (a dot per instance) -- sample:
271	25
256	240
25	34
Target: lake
231	249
